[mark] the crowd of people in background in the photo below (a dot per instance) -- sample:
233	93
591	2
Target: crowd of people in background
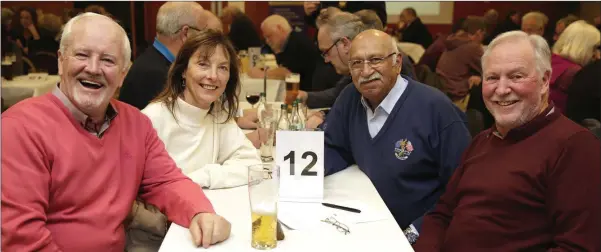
439	135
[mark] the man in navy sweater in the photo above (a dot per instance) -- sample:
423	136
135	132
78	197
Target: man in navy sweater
406	136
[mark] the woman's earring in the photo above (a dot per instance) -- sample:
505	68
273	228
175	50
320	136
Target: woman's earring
183	83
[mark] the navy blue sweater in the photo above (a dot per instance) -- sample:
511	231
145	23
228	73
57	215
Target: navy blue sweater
411	158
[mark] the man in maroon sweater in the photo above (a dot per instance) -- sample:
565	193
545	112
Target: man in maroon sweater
532	181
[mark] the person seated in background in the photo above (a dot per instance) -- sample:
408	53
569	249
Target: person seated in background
407	137
562	24
433	52
584	95
334	40
240	29
511	23
176	21
343	29
313	9
294	52
491	18
574	49
412	29
459	65
325	76
194	117
529	183
28	35
78	159
534	23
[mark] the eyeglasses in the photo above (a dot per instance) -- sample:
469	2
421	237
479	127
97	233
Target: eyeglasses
339	226
357	65
189	26
325	53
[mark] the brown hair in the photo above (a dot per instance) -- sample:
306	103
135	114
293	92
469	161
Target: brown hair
473	24
205	41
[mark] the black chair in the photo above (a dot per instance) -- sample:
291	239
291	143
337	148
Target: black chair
46	61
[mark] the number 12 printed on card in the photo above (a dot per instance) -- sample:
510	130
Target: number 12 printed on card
300	157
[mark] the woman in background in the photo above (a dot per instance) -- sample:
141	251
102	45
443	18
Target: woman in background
576	47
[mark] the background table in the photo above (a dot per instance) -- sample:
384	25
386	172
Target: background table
349	184
25	86
276	89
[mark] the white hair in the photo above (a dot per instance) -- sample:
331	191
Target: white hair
542	53
173	15
577	42
66	36
274	20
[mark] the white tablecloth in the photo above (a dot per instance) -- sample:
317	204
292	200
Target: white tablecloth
22	87
349	184
276	89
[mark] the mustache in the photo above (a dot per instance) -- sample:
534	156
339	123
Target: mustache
372	77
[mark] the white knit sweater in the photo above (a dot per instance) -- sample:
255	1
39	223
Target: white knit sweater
212	153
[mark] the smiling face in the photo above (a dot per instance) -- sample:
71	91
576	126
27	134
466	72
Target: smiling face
376	80
92	65
513	90
206	76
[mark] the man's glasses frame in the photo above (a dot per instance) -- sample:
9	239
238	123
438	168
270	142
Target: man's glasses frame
327	51
372	62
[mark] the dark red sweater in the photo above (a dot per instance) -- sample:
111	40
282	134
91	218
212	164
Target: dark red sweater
538	189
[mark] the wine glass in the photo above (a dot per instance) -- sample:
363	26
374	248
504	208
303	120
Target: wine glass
252	98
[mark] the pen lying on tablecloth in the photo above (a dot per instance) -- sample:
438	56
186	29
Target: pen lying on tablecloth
342	207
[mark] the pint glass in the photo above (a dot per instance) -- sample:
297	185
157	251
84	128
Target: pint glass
292	87
263	188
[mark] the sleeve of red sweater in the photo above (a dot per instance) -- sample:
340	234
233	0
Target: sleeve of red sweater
574	195
25	190
165	186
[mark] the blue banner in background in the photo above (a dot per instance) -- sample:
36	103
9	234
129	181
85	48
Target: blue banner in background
294	13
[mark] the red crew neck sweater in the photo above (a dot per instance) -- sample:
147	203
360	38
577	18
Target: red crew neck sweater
64	189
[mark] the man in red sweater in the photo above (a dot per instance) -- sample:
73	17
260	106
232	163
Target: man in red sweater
73	161
530	183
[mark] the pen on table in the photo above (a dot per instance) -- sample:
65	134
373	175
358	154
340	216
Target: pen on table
342	207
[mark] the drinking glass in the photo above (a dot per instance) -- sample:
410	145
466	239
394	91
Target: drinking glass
292	87
263	192
267	127
252	98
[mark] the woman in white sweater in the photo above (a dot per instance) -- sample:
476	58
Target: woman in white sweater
194	114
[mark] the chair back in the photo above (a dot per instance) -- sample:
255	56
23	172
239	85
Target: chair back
47	61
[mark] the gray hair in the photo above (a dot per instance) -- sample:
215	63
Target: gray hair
370	19
345	25
66	36
542	53
540	18
173	15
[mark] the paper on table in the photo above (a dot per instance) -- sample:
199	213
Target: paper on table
309	215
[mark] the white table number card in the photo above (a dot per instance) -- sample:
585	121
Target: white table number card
300	157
